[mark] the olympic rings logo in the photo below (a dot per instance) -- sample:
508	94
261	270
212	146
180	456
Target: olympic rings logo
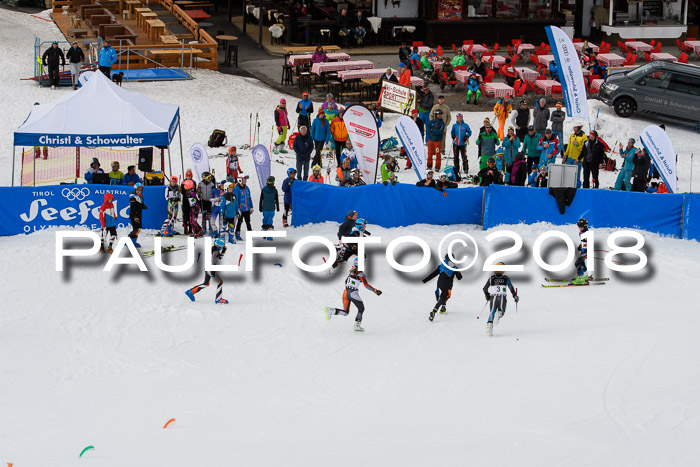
72	194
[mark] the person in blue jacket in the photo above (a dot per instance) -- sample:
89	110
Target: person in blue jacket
269	202
625	174
460	139
94	168
229	209
532	178
549	147
473	88
106	59
446	273
245	205
305	108
287	189
320	133
131	178
511	146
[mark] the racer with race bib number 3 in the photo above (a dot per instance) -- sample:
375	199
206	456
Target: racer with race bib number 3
495	291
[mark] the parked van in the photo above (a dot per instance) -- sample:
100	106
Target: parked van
667	89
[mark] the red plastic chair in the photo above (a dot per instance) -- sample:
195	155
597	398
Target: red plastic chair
483	91
440	52
622	47
657	49
683	58
607	48
652	42
489	76
467	42
629	61
516	42
417	44
454	48
647	57
575	41
495	47
460	68
690	39
510	50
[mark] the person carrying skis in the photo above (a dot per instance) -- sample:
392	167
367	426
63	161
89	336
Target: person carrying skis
287	189
108	220
193	201
217	254
495	291
245	206
233	166
229	208
446	275
580	264
204	191
216	217
187	185
172	196
305	108
136	207
282	122
351	295
269	201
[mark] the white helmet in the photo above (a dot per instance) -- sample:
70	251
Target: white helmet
354	171
227	185
443	174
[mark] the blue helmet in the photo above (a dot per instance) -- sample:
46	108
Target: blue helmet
290	170
354	263
138	185
219	243
360	223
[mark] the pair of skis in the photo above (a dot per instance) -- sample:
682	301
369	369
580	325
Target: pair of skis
569	282
165	249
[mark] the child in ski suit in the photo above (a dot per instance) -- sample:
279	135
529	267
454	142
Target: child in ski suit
446	275
108	220
282	122
187	185
268	202
495	291
233	167
473	88
172	196
204	194
193	201
245	205
580	263
136	206
351	295
346	251
502	110
216	218
287	189
217	253
229	208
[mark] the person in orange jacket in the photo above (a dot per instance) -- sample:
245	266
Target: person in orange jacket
339	132
405	75
502	110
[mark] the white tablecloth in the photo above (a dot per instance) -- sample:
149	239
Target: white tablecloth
545	59
522	48
476	49
318	68
546	85
663	56
463	76
639	46
610	59
695	45
496	61
499	89
595	84
527	74
373	73
579	46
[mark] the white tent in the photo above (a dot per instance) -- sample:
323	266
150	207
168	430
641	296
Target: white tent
100	114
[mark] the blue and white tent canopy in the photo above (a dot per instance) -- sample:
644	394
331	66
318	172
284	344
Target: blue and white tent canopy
100	114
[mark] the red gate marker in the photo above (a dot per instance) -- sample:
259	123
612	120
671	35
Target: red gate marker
168	423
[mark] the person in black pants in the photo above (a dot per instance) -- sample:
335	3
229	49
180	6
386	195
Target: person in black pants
593	155
642	162
136	207
51	57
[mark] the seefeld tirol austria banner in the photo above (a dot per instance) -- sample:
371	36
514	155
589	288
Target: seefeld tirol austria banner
658	145
364	136
200	160
261	158
412	142
570	75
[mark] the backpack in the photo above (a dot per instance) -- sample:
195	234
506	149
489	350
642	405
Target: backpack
217	139
389	144
290	140
610	165
450	171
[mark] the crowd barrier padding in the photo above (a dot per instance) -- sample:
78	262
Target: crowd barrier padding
691	226
385	205
30	209
603	208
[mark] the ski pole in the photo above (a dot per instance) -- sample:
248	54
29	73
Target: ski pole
272	132
482	309
690	190
250	130
516	317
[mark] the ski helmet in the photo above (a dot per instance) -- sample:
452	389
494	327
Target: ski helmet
173	179
582	223
355	171
499	264
138	185
231	150
290	171
360	223
206	176
354	263
443	174
270	180
219	243
228	185
316	167
188	173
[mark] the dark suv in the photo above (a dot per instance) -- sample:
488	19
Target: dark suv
667	89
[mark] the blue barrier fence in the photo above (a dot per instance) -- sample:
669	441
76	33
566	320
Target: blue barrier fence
28	209
385	205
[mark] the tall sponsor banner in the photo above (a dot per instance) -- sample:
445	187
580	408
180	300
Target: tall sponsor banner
570	74
200	160
412	142
397	98
32	209
261	158
364	136
660	149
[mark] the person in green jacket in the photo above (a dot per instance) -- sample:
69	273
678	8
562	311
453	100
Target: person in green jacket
530	142
487	142
388	166
425	65
458	60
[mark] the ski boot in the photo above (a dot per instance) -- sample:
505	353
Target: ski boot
190	294
136	244
432	314
231	239
358	327
330	311
580	280
489	329
238	237
221	301
276	150
443	309
282	150
102	248
110	251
